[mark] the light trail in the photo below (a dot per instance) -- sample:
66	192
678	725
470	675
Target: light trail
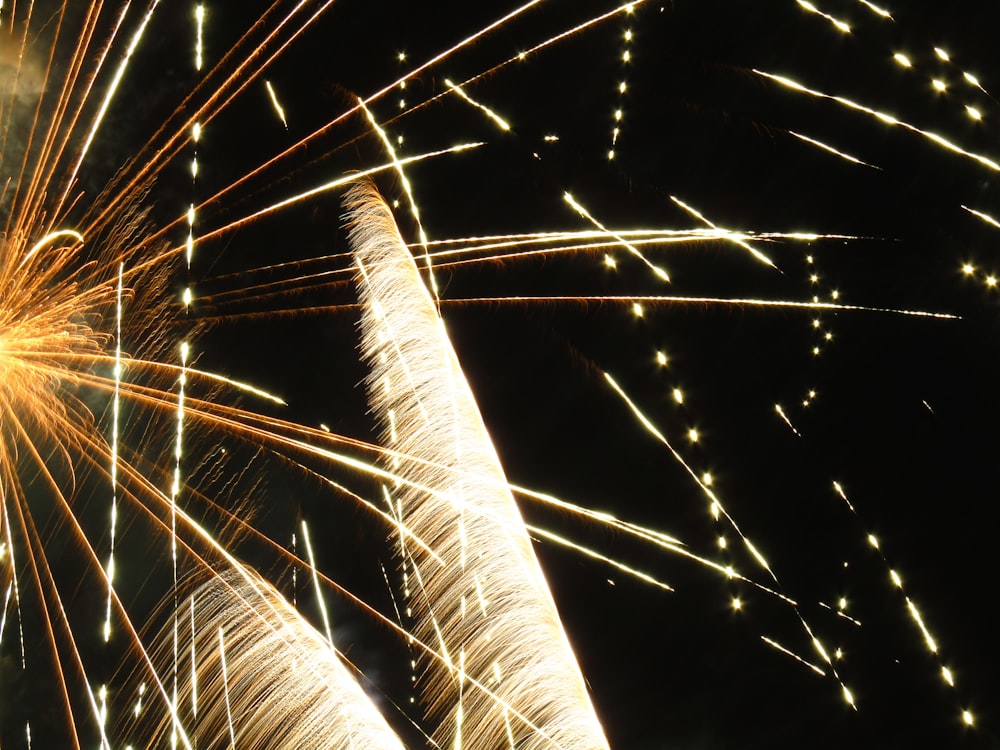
659	272
278	109
881	117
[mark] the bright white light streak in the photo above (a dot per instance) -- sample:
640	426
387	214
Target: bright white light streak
786	420
553	537
622	241
928	638
830	149
175	489
199	17
189	246
775	645
225	687
319	591
877	10
47	239
501	123
838	24
3	615
115	426
985	217
882	116
407	188
843	496
277	105
732	235
339	183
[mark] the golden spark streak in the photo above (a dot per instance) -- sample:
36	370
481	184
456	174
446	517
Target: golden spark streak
881	116
830	149
774	644
624	243
730	235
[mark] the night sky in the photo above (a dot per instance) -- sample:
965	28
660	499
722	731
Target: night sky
902	409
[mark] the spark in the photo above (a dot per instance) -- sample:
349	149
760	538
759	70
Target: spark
501	123
837	23
659	272
832	150
985	217
786	420
278	109
746	246
882	117
876	9
319	591
199	15
775	645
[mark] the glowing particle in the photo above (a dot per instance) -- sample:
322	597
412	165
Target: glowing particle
678	396
991	280
610	262
849	697
942	54
873	541
948	677
737	604
939	85
968	269
723	543
842	603
973	113
661	359
896	579
706	479
279	110
968	718
637	310
693	435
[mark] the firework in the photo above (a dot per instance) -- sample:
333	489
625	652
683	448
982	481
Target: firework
179	373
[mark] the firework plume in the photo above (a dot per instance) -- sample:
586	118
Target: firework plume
506	672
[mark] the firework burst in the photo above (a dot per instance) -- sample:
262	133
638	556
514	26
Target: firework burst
687	259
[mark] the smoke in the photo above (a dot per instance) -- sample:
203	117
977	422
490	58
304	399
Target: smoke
21	74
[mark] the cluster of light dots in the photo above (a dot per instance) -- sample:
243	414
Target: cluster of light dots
626	59
940	85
